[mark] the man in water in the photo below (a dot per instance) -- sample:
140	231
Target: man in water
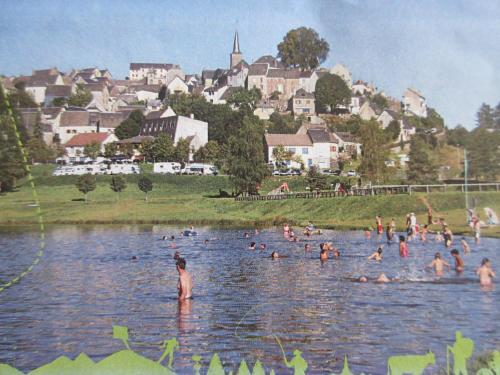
307	247
485	272
465	245
378	222
459	262
476	227
438	264
252	246
383	279
377	255
185	284
447	235
323	255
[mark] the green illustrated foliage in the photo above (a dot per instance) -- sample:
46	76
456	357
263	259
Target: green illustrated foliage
59	102
245	99
421	167
129	362
110	150
145	185
92	150
210	153
118	184
303	48
86	184
331	91
283	124
181	151
163	148
81	98
315	180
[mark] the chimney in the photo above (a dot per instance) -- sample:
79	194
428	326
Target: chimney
97	126
191	115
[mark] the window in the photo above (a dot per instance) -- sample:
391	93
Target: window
308	102
68	131
305	110
305	151
309	162
297	101
292	150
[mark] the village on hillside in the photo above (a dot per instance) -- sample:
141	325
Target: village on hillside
287	91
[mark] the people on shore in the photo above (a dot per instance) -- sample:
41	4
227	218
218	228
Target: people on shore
185	284
377	255
438	264
459	262
485	273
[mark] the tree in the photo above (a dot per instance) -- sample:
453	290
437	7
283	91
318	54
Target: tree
163	148
181	152
163	93
118	184
283	124
246	166
59	102
110	150
81	98
86	184
145	185
315	180
303	48
281	155
130	127
209	153
244	99
374	153
380	101
483	153
496	116
92	150
422	168
147	150
330	92
393	130
485	118
275	95
457	136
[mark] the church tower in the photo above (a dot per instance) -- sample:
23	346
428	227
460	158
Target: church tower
236	55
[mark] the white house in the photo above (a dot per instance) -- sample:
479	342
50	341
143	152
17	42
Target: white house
264	109
368	111
36	85
76	145
362	88
177	86
146	92
214	94
154	73
303	103
414	103
386	117
344	73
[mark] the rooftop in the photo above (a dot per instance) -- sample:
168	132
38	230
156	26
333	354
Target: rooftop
84	139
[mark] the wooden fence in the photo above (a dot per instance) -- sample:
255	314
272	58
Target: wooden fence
374	190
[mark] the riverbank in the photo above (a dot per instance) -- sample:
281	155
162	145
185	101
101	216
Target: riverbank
183	200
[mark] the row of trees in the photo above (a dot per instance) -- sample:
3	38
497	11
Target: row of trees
88	183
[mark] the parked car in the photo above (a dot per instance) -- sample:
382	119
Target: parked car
351	173
296	172
167	168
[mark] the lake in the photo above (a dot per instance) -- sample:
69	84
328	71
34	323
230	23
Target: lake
86	283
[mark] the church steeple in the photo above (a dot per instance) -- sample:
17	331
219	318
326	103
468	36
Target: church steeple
235	56
236	43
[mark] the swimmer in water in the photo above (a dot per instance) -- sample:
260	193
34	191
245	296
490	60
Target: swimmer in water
262	247
448	236
134	257
377	255
368	233
389	233
206	242
383	279
439	237
485	272
438	264
465	245
459	262
246	235
362	279
252	246
275	255
323	255
423	233
403	247
177	255
185	284
307	247
256	231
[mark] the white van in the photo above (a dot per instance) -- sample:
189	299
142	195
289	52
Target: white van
200	169
167	168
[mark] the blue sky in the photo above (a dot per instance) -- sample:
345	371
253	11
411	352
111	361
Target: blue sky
448	49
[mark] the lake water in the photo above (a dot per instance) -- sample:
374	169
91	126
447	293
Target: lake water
86	282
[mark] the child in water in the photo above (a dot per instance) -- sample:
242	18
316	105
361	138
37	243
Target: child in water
438	264
459	262
485	272
252	246
465	245
403	247
323	255
377	255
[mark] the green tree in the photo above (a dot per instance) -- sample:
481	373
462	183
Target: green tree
81	98
393	130
484	154
422	168
283	124
380	101
303	48
433	120
163	148
315	180
181	152
485	117
86	184
246	166
147	150
130	127
275	95
457	136
92	150
374	152
118	184
281	155
59	102
145	185
209	153
331	91
245	99
110	150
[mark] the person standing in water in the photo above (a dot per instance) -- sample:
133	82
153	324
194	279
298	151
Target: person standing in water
403	247
465	245
438	264
459	262
380	228
389	233
485	272
185	284
377	255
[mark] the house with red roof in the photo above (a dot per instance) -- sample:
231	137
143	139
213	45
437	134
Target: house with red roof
76	145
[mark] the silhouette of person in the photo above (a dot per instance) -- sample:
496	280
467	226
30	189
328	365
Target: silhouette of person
462	350
298	363
170	346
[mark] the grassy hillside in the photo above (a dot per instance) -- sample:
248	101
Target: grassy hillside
192	199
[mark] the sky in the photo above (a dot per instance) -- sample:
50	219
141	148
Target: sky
449	49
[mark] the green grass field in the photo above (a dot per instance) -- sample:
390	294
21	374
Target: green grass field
192	199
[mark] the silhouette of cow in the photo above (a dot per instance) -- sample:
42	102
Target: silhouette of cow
409	364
